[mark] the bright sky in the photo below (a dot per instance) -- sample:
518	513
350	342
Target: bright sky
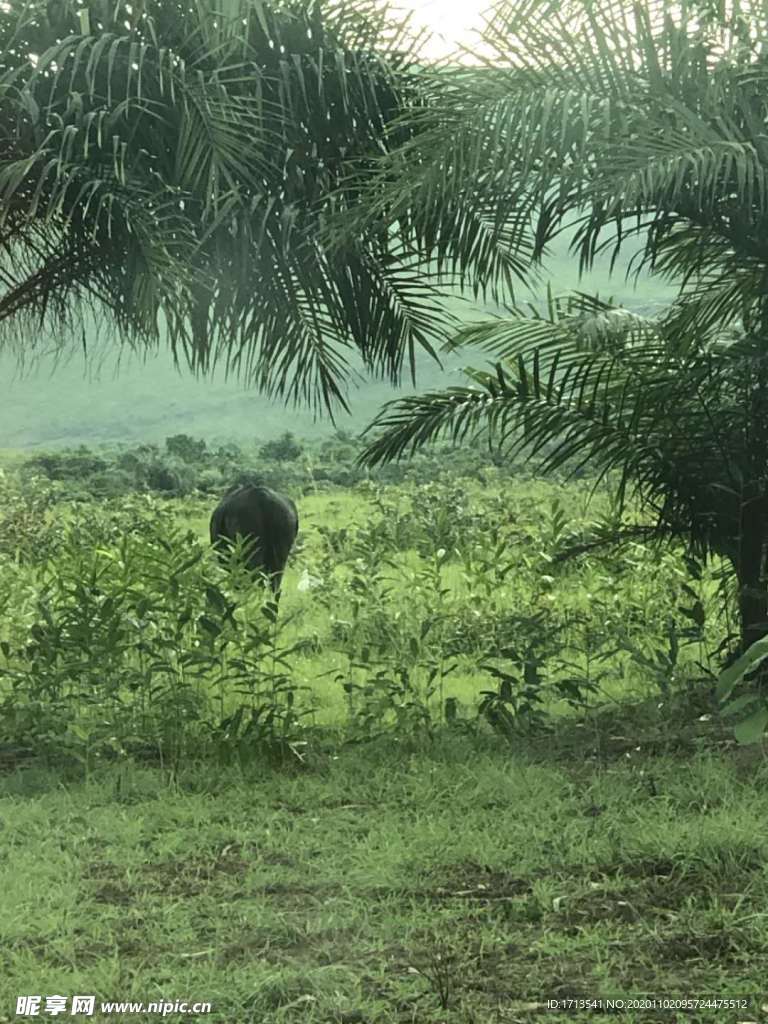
450	21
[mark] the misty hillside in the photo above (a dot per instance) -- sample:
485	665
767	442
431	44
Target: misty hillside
110	399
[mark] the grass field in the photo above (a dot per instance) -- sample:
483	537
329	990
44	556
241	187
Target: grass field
310	820
449	884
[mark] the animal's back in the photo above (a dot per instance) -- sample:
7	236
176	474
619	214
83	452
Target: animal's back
258	513
263	507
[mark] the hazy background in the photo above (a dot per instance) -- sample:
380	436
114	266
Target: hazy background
114	396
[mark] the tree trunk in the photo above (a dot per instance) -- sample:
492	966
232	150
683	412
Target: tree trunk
750	568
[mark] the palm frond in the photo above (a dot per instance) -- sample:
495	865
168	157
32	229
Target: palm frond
676	424
627	117
190	155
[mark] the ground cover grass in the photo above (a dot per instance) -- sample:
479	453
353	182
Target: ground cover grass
456	883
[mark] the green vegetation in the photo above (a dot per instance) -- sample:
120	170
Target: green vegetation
449	883
184	465
680	426
456	777
115	396
435	602
648	123
462	771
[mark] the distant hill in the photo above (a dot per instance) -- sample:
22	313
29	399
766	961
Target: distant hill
132	399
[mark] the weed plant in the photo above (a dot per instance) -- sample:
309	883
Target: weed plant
435	604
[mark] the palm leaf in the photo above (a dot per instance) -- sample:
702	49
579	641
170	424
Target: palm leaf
588	386
631	119
190	155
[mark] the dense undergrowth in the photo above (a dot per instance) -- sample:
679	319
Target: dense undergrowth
439	605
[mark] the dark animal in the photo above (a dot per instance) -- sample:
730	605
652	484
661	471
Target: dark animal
267	521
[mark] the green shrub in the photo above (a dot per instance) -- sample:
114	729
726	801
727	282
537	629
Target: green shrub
66	465
186	448
284	449
170	476
112	483
30	531
133	643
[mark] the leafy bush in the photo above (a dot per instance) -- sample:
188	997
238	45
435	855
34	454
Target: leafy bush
121	631
186	448
134	643
29	529
211	481
284	449
112	483
170	476
66	465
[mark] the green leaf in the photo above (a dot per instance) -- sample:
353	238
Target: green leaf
752	729
735	673
696	613
210	626
734	706
215	598
269	610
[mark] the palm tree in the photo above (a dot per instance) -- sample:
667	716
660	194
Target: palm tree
170	166
681	427
614	119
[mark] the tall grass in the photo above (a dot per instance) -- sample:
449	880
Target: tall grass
442	604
